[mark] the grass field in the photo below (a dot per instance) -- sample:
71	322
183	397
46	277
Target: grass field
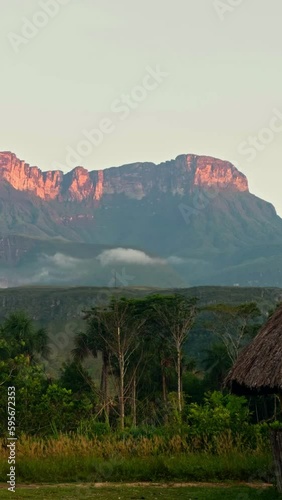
180	468
144	493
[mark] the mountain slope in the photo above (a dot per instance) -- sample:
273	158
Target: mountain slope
188	221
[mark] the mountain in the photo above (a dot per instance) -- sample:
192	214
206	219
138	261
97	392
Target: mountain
188	221
136	181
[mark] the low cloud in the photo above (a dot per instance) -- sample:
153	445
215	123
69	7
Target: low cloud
131	256
61	260
127	256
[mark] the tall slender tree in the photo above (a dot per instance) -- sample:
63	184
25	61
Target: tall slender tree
175	315
114	331
120	326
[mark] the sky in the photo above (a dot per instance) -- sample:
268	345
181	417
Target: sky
102	83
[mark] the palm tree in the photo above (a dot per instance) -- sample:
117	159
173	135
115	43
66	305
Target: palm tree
91	342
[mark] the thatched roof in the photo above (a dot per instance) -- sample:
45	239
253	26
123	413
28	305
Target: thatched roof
258	369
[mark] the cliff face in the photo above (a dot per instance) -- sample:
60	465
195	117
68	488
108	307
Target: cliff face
179	176
53	226
210	172
22	177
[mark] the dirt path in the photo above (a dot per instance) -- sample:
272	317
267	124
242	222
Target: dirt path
141	485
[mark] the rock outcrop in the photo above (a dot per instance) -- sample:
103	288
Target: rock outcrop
179	176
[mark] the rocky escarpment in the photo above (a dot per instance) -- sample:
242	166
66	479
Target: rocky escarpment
179	176
53	226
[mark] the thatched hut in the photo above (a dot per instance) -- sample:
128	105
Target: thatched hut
258	370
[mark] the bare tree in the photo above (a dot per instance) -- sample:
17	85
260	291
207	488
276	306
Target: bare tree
234	325
175	315
120	328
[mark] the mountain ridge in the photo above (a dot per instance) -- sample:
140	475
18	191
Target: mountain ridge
185	222
134	180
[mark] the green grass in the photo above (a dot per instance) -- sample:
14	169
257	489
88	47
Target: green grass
146	493
196	467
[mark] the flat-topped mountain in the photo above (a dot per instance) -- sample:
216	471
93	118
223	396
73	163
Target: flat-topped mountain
188	221
179	176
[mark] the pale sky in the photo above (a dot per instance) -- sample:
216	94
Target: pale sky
221	95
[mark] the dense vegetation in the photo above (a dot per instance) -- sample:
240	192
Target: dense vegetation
153	413
59	309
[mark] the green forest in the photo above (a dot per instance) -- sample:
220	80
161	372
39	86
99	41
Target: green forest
130	402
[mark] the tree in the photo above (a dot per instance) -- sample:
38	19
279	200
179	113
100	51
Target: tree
114	330
19	331
57	409
120	325
175	315
21	344
73	376
91	342
217	363
234	325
